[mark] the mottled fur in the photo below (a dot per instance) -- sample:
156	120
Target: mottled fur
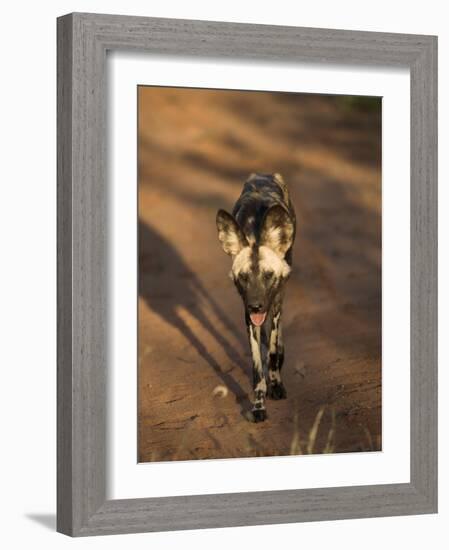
259	237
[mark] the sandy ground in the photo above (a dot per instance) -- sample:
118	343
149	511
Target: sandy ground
196	147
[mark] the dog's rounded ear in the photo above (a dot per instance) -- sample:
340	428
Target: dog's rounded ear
277	230
229	233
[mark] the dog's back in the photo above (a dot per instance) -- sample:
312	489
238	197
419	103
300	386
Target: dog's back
261	192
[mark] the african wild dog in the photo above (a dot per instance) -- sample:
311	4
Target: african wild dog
259	236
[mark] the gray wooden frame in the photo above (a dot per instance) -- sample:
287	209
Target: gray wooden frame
83	40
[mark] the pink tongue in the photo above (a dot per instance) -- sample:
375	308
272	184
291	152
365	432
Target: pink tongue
257	318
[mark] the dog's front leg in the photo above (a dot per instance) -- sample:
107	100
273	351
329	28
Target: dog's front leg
276	389
259	382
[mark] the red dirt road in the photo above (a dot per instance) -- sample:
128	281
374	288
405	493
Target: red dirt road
196	147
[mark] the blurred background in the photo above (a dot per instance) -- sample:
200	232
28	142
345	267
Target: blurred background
196	148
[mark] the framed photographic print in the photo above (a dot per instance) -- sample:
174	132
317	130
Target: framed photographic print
247	282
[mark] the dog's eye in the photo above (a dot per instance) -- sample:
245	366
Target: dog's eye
268	275
243	277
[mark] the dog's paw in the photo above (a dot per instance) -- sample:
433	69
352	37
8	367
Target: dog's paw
259	415
277	391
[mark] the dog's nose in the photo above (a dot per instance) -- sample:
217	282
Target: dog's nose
256	308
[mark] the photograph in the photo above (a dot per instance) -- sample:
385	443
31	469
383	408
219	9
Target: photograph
259	274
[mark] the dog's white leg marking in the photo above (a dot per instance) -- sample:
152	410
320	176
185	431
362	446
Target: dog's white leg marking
276	359
259	382
273	370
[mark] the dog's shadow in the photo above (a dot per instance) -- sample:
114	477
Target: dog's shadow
168	285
